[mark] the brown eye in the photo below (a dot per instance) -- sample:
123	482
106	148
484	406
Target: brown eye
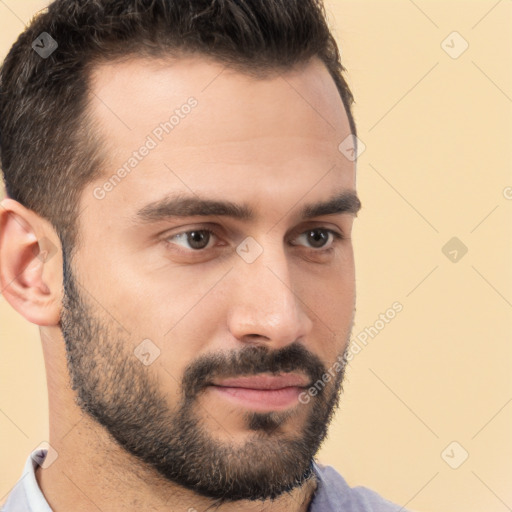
196	239
318	238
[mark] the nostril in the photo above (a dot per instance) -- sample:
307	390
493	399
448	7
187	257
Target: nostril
255	338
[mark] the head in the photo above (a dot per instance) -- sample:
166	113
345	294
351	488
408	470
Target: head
180	159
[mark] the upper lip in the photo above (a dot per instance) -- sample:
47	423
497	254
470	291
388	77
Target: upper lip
264	381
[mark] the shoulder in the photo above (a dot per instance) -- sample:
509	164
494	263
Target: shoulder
334	494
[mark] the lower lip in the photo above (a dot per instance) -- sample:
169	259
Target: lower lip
261	399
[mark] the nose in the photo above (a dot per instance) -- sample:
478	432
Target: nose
266	309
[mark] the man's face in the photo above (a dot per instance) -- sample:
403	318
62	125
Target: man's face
193	335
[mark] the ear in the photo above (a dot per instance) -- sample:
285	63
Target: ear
30	264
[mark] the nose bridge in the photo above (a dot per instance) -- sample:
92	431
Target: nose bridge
266	308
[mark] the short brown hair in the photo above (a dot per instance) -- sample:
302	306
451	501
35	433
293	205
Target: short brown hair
49	148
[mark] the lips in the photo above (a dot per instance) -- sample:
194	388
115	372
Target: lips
262	392
264	382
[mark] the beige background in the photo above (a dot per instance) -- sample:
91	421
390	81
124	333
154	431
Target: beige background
437	165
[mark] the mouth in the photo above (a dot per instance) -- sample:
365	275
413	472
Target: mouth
262	392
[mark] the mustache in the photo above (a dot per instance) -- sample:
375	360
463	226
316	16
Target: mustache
250	360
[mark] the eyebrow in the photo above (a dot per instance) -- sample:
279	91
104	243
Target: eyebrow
169	207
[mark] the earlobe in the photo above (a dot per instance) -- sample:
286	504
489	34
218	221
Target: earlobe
30	274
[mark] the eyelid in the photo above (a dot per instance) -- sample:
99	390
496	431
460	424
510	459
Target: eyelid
336	237
167	239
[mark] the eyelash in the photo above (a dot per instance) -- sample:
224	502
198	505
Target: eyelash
337	237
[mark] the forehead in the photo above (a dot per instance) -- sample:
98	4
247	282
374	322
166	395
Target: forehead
210	128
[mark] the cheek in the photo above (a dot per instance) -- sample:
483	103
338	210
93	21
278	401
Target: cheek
333	303
332	310
330	293
168	318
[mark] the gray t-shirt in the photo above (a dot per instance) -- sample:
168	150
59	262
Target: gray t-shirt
333	493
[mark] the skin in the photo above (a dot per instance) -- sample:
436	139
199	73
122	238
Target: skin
271	144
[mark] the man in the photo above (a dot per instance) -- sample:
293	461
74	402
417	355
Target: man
178	222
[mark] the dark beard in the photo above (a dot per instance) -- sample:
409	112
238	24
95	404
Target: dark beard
120	393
